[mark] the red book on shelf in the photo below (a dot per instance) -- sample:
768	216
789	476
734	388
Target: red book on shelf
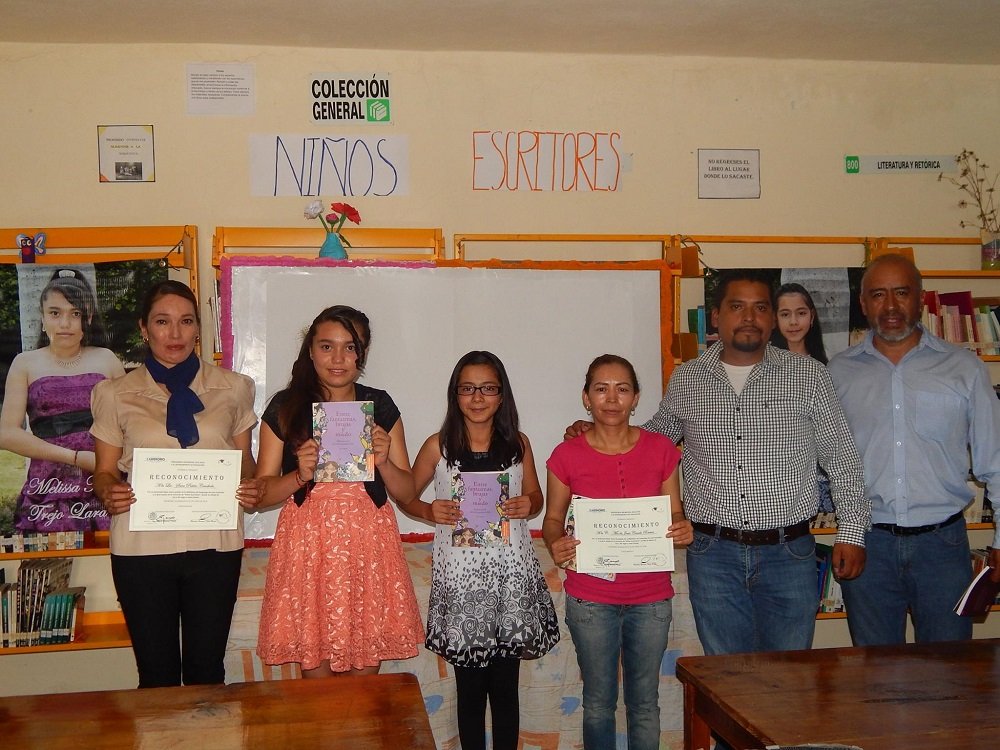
931	302
961	300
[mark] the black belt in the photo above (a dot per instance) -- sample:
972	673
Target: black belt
754	538
61	424
914	530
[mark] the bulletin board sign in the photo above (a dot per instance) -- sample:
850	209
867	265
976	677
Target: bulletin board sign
545	321
125	153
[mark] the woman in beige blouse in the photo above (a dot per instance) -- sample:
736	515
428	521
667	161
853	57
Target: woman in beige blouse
177	588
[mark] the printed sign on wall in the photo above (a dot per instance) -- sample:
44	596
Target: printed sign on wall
889	164
728	173
350	97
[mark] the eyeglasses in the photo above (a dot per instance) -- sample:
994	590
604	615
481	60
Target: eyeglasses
486	390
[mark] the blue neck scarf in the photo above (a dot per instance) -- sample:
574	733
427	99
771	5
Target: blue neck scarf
183	403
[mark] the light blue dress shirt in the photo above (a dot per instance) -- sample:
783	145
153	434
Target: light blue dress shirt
915	425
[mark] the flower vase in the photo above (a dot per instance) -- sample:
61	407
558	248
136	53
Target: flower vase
990	242
332	247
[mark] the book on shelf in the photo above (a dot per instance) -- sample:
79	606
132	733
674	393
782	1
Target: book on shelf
36	579
697	324
480	495
67	606
957	318
831	598
42	542
980	595
343	430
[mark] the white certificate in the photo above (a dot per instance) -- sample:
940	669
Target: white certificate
180	489
623	535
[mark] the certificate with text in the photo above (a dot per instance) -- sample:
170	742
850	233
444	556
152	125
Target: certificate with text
184	490
623	535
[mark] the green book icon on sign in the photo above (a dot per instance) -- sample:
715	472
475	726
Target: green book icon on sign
378	110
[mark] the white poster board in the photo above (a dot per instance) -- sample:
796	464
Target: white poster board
546	325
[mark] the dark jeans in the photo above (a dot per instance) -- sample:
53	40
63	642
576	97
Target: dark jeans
498	682
924	574
178	609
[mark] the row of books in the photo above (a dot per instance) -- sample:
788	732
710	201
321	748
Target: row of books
42	542
25	602
954	317
831	598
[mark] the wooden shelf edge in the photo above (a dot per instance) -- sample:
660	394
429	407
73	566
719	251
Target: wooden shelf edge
99	630
96	544
843	615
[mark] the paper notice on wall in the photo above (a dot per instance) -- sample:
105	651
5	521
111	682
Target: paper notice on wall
729	173
221	89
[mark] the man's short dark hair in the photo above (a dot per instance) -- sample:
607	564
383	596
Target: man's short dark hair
730	275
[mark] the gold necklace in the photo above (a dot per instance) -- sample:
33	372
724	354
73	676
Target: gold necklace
68	363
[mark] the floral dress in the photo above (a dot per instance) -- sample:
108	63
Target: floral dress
487	602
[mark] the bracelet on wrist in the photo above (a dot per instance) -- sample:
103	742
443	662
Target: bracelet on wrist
299	480
76	458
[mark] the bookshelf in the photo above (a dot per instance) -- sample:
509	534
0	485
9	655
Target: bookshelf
99	629
984	286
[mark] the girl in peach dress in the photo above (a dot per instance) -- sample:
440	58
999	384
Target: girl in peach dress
338	597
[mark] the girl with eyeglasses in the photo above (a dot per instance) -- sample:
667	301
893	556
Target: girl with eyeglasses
338	597
484	638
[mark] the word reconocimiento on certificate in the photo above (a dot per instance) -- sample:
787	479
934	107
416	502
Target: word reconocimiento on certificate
184	489
623	535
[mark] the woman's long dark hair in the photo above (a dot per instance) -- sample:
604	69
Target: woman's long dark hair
506	439
304	388
73	285
814	336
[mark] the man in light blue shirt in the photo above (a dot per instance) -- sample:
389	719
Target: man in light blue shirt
918	408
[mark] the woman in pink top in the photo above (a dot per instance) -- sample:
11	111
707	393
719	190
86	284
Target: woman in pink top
627	616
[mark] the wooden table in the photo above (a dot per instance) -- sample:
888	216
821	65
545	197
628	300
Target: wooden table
934	696
359	713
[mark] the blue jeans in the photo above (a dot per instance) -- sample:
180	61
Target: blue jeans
637	635
926	574
753	598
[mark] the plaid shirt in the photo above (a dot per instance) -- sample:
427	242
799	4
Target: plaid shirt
750	459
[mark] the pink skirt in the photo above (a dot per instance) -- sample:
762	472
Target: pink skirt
338	587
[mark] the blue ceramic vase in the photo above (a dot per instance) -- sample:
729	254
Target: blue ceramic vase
333	247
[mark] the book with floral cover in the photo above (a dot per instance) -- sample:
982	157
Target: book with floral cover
343	430
480	495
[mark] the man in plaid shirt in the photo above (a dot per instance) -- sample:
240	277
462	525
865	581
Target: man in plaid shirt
755	421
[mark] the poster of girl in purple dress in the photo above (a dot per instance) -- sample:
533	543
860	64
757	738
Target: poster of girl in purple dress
46	407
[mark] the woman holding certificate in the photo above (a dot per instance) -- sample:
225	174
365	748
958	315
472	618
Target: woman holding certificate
484	637
616	616
173	580
338	597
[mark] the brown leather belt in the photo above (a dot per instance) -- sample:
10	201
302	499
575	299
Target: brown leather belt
754	538
914	530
